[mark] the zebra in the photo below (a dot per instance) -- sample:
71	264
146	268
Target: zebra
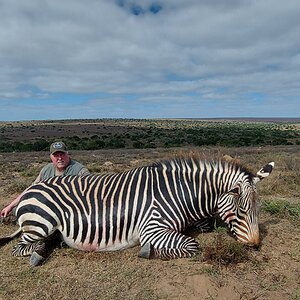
150	205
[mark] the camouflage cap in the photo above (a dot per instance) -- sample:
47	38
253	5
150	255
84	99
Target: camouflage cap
58	147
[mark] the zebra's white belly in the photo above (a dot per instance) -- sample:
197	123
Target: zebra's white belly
95	247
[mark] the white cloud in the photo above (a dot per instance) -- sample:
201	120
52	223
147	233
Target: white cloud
217	49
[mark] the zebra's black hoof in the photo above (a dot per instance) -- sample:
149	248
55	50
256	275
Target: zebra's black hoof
145	251
36	259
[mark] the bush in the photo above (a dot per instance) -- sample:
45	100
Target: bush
224	251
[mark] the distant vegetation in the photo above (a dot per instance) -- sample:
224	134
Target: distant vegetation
113	134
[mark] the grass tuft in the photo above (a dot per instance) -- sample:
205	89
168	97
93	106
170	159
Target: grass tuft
225	251
283	209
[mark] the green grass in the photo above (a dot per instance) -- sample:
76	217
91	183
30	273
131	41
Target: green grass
283	209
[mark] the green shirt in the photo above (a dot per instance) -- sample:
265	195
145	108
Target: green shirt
74	168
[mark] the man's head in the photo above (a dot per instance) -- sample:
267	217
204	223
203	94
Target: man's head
59	155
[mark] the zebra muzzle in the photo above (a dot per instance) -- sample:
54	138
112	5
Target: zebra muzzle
254	241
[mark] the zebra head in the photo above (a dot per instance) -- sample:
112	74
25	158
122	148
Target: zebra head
239	207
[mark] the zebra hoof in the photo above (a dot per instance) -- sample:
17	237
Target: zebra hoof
145	251
36	259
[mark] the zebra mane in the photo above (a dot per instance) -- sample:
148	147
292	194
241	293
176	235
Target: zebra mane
192	161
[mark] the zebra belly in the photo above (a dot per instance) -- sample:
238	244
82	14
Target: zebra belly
96	247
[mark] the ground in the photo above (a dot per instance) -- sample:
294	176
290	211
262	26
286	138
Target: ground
272	272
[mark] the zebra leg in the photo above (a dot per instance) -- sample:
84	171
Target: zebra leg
167	244
35	249
203	225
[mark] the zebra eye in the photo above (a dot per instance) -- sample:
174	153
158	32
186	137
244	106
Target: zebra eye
235	191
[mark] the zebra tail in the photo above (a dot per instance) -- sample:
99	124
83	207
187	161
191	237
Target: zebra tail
6	239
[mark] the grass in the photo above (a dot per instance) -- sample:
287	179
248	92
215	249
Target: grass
218	248
17	187
229	267
296	295
282	209
146	294
225	251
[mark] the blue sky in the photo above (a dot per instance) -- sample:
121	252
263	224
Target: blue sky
149	59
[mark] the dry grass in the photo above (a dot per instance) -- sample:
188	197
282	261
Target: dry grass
223	270
223	250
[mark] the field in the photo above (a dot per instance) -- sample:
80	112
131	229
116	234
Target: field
223	269
145	134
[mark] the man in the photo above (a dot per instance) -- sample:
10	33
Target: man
62	164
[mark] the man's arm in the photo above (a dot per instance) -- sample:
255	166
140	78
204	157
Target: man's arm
7	209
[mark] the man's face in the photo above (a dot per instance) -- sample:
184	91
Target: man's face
60	159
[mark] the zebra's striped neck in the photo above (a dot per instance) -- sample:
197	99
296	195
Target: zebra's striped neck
202	181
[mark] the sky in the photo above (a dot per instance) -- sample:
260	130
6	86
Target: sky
78	59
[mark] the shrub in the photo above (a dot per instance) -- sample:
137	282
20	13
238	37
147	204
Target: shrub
224	251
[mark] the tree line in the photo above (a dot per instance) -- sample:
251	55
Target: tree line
226	135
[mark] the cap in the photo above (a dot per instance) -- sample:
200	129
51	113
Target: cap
58	146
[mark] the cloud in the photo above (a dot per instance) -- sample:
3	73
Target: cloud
152	50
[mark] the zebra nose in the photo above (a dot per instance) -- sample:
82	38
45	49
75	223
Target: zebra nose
254	241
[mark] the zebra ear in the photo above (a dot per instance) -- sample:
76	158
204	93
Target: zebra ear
263	172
